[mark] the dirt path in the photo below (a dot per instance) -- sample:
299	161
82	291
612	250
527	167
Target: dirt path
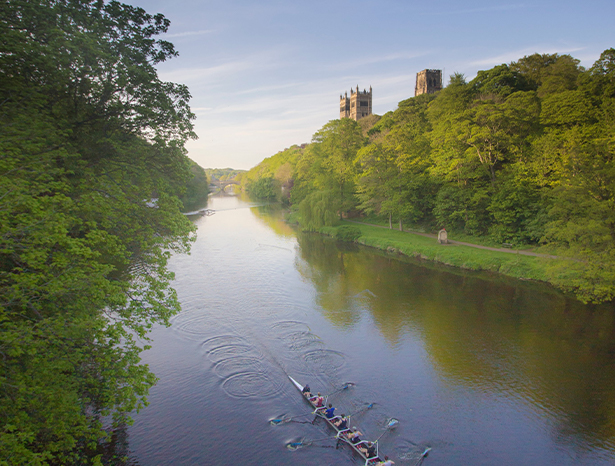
461	243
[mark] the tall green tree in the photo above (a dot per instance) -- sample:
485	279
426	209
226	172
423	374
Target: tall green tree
92	157
337	143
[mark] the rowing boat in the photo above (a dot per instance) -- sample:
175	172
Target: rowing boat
340	433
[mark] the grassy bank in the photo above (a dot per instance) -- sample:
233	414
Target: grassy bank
465	257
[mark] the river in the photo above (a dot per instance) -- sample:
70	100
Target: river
482	369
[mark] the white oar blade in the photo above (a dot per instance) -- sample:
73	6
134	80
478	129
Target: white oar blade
392	423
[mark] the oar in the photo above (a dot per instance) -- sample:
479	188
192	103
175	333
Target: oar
346	385
390	425
369	406
276	422
303	443
422	457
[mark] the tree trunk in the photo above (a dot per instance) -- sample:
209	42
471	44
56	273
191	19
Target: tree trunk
401	225
390	221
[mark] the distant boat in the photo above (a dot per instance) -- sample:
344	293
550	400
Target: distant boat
201	212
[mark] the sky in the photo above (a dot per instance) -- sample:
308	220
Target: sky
267	74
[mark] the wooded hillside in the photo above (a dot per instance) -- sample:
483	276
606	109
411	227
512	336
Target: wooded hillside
521	154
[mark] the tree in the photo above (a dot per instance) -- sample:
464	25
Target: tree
500	80
338	143
548	73
601	77
264	188
92	162
197	189
377	167
318	209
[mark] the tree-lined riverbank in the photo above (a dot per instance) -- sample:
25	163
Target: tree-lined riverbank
522	154
523	265
92	162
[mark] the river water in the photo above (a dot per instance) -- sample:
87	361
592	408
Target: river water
481	369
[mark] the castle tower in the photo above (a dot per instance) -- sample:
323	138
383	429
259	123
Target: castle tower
428	82
358	105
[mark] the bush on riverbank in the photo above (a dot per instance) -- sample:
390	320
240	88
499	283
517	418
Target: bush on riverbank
347	233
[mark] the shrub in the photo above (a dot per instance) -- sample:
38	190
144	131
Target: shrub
347	233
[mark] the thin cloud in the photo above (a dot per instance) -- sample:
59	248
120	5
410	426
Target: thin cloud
219	74
191	33
515	55
378	59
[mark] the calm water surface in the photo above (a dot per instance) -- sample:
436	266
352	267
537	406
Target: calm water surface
483	370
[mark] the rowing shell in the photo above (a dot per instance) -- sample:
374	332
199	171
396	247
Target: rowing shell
340	433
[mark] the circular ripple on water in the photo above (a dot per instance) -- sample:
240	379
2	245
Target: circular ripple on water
299	341
233	366
194	325
227	351
290	325
220	340
250	384
325	361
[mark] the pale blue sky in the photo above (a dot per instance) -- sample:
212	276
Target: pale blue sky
268	74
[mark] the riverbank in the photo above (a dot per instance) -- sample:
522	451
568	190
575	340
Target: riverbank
523	265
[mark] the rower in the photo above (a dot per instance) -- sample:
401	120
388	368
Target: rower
354	436
306	391
329	411
318	400
368	449
341	423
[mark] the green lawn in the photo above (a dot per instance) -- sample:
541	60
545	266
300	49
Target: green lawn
465	257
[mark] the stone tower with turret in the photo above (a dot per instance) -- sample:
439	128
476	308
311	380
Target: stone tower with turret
428	82
358	105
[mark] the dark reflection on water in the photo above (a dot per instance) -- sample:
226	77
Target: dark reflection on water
482	369
486	333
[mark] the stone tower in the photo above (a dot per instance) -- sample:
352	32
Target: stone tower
428	82
358	105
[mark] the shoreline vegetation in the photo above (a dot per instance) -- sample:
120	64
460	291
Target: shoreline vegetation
94	175
519	264
523	155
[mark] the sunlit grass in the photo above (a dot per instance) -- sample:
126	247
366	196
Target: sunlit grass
465	257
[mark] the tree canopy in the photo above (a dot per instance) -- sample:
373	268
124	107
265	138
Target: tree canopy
92	161
521	154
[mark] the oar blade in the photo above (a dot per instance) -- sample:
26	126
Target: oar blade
295	445
392	423
280	420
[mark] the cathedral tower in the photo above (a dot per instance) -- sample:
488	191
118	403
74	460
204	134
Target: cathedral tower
358	105
428	82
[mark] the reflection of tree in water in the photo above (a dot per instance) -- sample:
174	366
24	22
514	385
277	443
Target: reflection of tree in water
272	215
116	452
493	334
324	265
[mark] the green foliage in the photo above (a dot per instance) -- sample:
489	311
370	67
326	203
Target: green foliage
514	265
318	209
523	154
500	80
263	188
347	233
273	177
223	173
197	188
92	157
